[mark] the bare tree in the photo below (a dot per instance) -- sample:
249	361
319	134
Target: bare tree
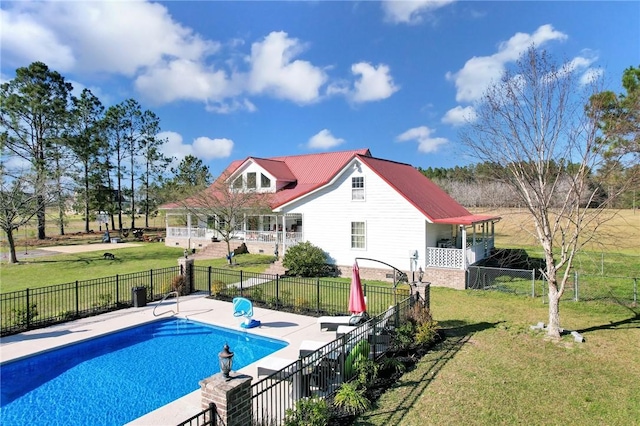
224	206
534	123
19	201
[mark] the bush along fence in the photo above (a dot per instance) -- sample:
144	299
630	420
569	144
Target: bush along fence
581	287
294	389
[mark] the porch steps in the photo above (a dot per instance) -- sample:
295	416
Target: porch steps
213	251
276	268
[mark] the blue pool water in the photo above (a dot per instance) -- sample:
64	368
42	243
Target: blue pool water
113	379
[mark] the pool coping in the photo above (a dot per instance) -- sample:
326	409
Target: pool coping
291	328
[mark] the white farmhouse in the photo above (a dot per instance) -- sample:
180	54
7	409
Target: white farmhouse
353	206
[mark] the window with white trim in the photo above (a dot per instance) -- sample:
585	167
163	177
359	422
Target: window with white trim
265	182
251	180
357	188
358	239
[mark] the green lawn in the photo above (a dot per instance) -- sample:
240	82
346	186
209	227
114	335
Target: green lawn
492	369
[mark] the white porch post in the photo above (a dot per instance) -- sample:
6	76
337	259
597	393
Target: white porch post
464	247
284	239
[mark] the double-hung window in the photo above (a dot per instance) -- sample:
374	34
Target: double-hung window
357	188
358	237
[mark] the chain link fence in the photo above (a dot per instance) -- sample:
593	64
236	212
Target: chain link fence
581	287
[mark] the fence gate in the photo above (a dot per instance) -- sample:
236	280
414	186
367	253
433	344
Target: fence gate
518	281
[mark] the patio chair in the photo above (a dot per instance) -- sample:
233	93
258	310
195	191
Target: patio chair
331	323
381	328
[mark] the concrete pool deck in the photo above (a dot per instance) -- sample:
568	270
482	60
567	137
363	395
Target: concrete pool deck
288	327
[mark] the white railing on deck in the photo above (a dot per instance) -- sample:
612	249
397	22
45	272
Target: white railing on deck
186	232
445	257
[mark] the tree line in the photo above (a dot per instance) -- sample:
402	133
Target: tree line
60	149
485	184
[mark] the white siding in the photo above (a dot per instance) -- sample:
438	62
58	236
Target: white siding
393	226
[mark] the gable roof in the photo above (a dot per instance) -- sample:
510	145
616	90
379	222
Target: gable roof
422	193
309	172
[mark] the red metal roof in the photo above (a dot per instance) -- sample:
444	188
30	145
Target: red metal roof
311	171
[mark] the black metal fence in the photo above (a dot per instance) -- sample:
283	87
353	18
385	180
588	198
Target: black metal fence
320	372
311	296
207	417
40	307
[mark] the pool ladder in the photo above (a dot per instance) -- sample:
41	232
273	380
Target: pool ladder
164	298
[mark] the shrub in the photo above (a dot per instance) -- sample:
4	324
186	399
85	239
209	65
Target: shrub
352	399
179	284
426	332
22	316
218	287
404	335
305	260
366	370
308	412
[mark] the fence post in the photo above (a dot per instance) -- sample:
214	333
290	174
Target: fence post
77	299
209	280
151	284
533	283
28	312
575	286
241	284
117	293
318	295
277	290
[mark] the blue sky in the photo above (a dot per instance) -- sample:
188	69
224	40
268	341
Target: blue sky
235	79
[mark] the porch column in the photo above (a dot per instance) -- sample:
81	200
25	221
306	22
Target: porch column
464	247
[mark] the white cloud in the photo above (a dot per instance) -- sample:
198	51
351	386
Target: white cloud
209	149
422	135
324	140
479	73
183	79
591	75
274	70
202	147
410	12
112	37
174	147
25	40
374	83
459	115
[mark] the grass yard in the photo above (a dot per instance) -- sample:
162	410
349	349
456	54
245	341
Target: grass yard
492	369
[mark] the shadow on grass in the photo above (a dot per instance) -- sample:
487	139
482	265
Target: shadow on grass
457	334
631	322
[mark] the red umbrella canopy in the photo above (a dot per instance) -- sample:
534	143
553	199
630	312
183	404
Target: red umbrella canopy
357	303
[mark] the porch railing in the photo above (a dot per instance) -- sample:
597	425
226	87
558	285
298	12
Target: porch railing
186	232
445	257
289	238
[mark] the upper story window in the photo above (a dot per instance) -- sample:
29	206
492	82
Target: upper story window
265	182
237	184
251	180
357	188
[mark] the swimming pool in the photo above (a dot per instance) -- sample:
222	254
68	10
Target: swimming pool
114	379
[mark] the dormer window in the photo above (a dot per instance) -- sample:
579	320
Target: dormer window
265	182
237	184
357	188
251	180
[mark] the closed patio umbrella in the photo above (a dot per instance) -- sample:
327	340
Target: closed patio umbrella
357	304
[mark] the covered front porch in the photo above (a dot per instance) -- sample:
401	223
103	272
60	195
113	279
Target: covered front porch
187	230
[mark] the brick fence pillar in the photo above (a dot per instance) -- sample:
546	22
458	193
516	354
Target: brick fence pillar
186	270
231	397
